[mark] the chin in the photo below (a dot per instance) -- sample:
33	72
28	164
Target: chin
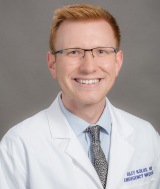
90	100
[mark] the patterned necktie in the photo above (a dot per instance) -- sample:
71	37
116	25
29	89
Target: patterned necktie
99	160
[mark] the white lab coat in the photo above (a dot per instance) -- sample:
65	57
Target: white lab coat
43	152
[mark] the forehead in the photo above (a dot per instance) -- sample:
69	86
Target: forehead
84	34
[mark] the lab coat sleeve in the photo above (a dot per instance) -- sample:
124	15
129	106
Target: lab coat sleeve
11	175
158	180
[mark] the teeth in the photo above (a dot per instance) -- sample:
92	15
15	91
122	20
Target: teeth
88	81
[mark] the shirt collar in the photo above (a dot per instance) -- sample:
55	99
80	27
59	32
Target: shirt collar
78	125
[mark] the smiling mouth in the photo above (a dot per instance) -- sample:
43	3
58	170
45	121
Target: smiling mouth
88	82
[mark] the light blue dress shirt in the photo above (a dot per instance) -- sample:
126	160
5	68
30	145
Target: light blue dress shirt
78	125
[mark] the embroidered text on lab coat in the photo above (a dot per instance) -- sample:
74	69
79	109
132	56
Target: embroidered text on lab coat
138	174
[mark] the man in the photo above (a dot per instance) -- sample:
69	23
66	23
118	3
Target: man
81	141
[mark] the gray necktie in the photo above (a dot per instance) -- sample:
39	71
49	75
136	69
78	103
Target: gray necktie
99	160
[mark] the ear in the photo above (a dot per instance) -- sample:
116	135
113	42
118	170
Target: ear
51	64
118	63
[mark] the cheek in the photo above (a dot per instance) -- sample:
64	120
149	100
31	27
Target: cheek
60	70
64	70
108	67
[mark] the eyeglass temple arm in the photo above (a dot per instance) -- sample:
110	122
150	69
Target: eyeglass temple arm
60	51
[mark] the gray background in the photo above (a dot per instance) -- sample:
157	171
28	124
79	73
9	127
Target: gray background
26	86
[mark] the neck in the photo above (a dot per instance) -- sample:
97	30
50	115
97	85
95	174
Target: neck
90	113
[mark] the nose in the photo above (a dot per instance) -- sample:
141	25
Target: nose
88	64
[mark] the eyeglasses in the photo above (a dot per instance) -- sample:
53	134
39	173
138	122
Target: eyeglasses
80	53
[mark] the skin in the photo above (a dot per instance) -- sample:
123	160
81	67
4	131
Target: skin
85	101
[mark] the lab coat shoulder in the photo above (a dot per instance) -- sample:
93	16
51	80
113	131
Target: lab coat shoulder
144	132
142	128
21	133
136	122
18	139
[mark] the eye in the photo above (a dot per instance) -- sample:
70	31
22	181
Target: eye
74	52
101	51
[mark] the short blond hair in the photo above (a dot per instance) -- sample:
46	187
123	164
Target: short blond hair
82	12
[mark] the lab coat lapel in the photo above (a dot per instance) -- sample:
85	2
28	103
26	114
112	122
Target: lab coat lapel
60	129
121	151
75	151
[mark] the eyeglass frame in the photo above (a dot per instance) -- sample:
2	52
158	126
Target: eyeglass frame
60	51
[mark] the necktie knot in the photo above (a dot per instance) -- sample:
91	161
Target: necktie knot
95	132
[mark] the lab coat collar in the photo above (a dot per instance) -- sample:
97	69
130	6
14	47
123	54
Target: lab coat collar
122	126
59	126
121	151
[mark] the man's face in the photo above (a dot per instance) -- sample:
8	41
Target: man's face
70	71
